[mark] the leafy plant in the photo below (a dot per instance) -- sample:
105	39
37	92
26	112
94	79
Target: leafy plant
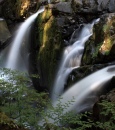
19	102
32	110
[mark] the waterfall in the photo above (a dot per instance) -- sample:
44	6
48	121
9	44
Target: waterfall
86	89
71	59
14	57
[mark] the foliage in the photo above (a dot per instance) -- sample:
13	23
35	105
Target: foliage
19	102
33	110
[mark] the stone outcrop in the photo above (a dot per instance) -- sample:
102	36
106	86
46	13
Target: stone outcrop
93	6
64	7
100	47
4	33
17	10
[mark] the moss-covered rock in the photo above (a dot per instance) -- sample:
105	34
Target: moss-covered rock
93	6
4	32
7	124
50	46
16	10
99	48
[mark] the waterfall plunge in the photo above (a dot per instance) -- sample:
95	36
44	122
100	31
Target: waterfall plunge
71	59
14	55
86	88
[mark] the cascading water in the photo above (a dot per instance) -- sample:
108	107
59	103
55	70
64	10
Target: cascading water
71	59
85	88
14	55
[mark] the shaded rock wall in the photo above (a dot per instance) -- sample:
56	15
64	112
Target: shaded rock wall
17	10
93	6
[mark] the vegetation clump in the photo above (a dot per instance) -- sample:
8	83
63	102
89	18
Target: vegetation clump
22	108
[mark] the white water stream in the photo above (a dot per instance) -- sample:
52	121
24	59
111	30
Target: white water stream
13	59
71	59
91	84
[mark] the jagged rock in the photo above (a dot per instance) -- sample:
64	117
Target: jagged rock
64	7
100	47
4	32
93	6
17	10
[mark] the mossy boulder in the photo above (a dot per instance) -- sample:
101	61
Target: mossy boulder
4	32
17	10
50	46
100	47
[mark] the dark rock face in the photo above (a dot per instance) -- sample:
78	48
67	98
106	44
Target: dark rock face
64	7
100	47
16	11
4	33
93	6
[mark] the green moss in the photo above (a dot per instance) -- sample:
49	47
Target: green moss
95	54
105	28
50	42
100	42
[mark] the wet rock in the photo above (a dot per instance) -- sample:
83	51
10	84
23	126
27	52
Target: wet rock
100	47
93	6
4	32
17	11
64	7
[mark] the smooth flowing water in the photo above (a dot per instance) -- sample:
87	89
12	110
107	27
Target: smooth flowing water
13	57
86	88
71	58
